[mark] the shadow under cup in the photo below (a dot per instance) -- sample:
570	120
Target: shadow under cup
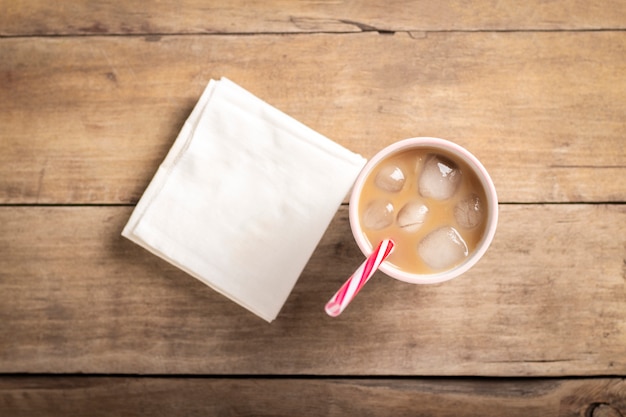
447	148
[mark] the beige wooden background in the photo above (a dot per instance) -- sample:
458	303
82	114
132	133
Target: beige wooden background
92	95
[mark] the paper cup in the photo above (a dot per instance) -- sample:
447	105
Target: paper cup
459	153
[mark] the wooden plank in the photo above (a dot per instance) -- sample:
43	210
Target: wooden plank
41	17
88	119
105	396
547	300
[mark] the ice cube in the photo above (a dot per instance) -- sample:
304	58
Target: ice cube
411	217
440	178
378	214
442	248
469	211
390	178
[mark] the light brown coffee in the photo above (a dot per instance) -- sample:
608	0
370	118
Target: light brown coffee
430	203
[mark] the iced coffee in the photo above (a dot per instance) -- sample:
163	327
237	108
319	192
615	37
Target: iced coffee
429	203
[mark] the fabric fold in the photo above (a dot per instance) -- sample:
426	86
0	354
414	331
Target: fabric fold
243	197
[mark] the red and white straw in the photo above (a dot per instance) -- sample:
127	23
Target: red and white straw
349	290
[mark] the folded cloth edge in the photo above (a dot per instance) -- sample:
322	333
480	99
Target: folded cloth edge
180	145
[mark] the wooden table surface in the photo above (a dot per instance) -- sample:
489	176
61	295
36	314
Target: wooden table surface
92	96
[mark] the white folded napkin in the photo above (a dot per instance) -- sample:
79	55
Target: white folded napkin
243	197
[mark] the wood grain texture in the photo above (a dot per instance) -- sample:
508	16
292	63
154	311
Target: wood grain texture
41	17
547	300
105	396
87	120
92	96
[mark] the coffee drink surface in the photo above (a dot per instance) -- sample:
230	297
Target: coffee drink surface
431	204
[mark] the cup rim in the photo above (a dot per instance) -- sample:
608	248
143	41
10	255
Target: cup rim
481	173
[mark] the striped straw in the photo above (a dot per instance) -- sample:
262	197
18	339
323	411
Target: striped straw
351	287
